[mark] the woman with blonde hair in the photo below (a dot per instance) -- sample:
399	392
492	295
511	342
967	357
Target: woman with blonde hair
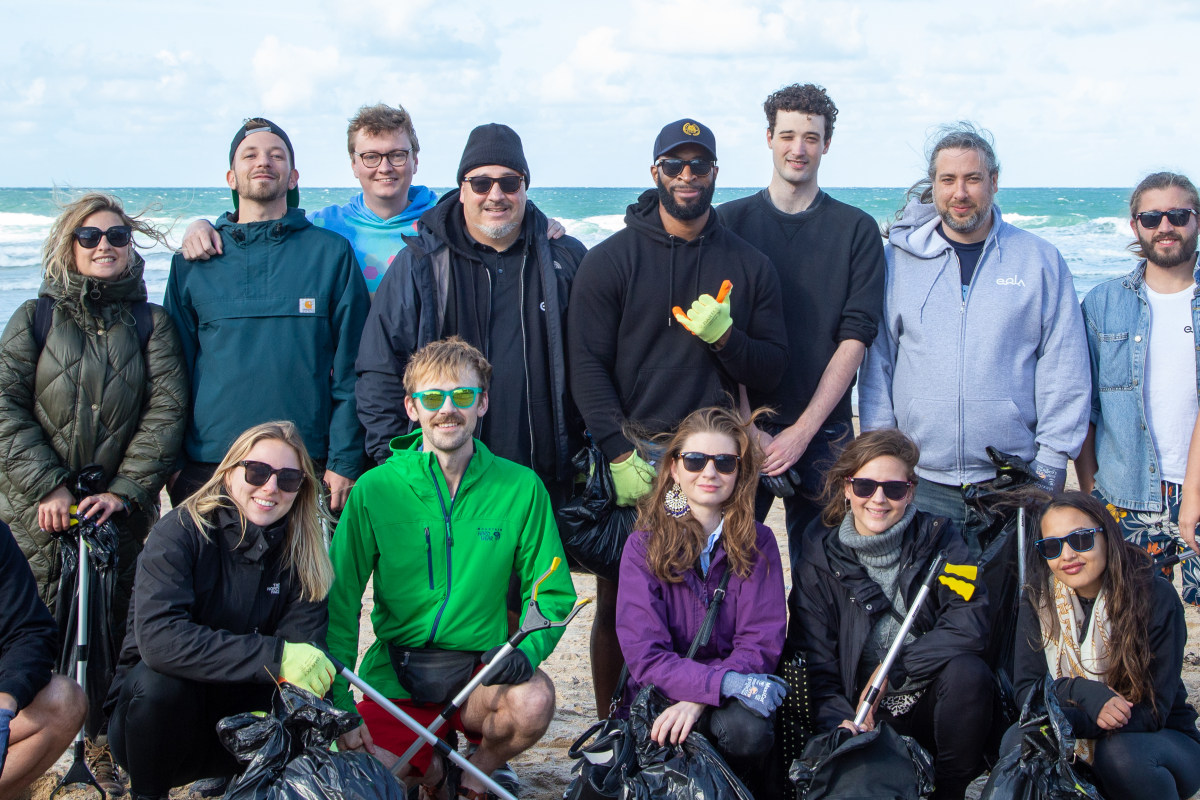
230	597
90	373
693	528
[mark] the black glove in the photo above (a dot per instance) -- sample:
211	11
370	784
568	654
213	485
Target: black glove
515	668
780	485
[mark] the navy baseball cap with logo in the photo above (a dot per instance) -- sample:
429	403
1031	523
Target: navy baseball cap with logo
685	131
255	125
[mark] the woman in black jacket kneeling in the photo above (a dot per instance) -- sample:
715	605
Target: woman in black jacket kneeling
862	564
230	591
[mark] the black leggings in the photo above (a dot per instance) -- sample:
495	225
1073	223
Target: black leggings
742	737
164	729
952	720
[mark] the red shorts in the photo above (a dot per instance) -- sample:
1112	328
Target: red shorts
393	735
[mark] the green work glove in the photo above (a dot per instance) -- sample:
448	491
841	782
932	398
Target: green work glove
632	479
708	318
307	667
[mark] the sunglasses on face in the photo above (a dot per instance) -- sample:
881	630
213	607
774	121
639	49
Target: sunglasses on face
434	399
371	160
1081	541
726	463
482	184
1178	217
673	167
865	487
258	473
117	235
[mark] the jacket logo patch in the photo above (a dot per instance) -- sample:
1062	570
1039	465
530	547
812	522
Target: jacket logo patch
691	129
308	305
273	588
1013	281
488	534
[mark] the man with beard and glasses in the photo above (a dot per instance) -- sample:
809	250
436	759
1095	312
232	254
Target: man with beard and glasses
1144	347
440	528
982	339
636	357
270	327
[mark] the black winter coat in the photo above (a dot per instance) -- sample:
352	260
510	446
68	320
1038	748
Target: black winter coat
834	605
216	609
28	634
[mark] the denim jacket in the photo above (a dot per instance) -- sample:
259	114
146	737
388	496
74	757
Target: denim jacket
1117	317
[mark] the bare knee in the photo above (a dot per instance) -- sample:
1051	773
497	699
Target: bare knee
60	706
530	705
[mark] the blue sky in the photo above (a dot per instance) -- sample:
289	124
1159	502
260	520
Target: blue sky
143	93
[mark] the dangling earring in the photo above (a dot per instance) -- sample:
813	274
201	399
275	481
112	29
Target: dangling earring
676	502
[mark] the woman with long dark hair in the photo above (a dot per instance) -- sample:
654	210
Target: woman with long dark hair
1110	632
861	568
695	526
230	596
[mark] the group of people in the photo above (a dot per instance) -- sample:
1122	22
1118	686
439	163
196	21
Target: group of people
422	370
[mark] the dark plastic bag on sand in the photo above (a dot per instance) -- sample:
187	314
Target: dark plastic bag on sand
879	764
1043	767
691	770
287	755
593	527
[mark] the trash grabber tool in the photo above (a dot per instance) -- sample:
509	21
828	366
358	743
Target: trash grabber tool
960	579
1162	562
534	621
438	744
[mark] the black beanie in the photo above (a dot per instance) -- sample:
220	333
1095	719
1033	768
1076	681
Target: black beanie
493	144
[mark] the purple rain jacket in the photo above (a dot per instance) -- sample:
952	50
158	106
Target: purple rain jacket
657	621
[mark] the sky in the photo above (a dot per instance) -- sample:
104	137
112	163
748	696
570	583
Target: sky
139	93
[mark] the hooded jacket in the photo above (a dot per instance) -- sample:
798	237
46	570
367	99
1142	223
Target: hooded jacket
410	310
631	359
834	605
373	238
440	565
1007	366
657	621
91	396
269	331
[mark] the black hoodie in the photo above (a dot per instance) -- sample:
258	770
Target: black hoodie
631	360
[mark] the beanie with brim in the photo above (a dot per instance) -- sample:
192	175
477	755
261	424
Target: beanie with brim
493	144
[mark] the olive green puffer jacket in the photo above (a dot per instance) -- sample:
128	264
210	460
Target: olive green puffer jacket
91	397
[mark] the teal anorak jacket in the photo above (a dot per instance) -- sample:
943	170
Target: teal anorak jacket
440	565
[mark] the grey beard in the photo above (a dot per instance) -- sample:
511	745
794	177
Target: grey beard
498	231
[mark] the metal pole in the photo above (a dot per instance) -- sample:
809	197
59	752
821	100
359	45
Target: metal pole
1022	545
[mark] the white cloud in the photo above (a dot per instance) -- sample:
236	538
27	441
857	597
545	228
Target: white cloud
288	76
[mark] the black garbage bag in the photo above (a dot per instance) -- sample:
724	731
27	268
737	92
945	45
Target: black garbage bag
879	764
691	770
1044	766
103	645
287	755
592	526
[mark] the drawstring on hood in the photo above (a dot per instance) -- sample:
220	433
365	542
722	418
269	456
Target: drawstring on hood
643	217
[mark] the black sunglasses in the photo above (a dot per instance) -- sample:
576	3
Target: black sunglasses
482	184
726	463
117	235
258	473
673	167
1081	541
892	490
1178	217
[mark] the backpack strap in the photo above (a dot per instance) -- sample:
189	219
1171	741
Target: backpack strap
43	317
144	322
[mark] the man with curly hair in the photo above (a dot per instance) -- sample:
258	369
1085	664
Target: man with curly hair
830	261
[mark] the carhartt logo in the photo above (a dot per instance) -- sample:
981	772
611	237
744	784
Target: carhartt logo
488	534
273	588
691	129
308	305
1013	281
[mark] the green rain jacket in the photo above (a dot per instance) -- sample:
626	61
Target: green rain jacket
440	565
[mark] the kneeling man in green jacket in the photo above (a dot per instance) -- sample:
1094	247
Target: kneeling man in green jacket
439	528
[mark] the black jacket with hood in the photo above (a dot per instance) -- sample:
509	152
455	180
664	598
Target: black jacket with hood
630	358
834	605
438	285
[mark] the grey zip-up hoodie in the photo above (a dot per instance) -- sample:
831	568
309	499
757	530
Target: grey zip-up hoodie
1007	366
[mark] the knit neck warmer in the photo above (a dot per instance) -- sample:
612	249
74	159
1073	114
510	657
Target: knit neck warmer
880	551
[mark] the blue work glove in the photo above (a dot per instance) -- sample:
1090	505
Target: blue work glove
6	716
1050	479
762	694
632	478
515	668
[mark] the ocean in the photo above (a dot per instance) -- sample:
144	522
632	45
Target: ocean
1089	226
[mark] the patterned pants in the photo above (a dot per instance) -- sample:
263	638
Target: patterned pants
1158	532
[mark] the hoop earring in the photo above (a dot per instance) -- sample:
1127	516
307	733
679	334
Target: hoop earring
676	502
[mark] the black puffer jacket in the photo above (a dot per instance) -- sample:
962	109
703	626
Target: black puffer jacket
216	608
91	397
834	605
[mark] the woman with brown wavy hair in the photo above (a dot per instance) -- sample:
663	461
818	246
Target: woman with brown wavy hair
1110	632
696	525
